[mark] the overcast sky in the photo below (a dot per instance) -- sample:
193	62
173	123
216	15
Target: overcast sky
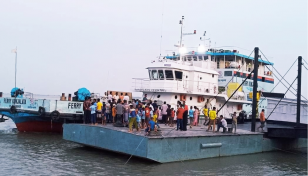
65	45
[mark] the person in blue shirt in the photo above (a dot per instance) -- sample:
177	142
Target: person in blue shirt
139	119
93	114
142	118
191	116
151	127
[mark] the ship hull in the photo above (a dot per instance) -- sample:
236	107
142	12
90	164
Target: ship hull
27	122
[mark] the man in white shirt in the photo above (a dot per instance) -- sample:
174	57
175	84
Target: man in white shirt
126	97
116	97
223	124
110	96
104	98
164	108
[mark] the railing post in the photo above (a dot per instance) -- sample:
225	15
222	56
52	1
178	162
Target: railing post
255	89
299	91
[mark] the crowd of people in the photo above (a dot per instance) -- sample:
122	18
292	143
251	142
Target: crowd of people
147	115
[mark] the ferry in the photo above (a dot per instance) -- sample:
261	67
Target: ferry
193	77
42	115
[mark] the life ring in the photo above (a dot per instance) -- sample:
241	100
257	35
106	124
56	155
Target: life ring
55	115
41	111
13	109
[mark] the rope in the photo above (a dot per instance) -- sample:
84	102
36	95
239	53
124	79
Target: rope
230	79
281	76
277	83
280	99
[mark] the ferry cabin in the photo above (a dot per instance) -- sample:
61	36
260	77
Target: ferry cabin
235	67
192	79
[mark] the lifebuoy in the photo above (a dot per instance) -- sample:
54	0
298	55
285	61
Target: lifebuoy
41	111
55	115
13	109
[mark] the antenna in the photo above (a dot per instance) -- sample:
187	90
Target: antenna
204	39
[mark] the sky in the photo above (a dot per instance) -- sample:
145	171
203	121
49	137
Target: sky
64	45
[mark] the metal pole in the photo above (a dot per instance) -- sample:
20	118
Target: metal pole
255	89
299	91
15	65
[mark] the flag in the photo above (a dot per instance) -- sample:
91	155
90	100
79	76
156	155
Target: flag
14	50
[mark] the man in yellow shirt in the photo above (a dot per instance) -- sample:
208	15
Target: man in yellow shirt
212	116
99	109
206	115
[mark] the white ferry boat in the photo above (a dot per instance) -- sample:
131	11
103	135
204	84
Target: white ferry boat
192	77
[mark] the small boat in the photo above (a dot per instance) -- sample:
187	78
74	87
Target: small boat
42	115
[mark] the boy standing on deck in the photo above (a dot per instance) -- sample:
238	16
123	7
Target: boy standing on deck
93	116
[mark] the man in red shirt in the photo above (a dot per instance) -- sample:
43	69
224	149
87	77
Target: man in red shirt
147	115
179	114
262	120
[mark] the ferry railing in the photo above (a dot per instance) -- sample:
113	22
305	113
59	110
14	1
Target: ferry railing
141	84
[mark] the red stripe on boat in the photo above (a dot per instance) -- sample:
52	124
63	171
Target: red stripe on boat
39	126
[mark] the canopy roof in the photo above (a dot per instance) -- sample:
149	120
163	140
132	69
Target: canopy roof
221	54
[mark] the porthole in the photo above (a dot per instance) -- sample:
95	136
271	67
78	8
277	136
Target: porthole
158	96
186	76
176	97
212	75
200	78
190	98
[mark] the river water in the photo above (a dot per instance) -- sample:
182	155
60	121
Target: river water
49	154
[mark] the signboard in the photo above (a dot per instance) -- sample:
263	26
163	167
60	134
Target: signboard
150	90
19	103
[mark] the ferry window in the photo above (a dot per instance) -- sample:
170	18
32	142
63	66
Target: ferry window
176	97
150	75
161	74
169	74
178	75
190	98
249	76
154	74
200	58
189	58
263	79
246	83
158	96
238	74
195	58
228	73
212	75
185	59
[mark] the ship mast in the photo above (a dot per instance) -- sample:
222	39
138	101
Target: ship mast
181	23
